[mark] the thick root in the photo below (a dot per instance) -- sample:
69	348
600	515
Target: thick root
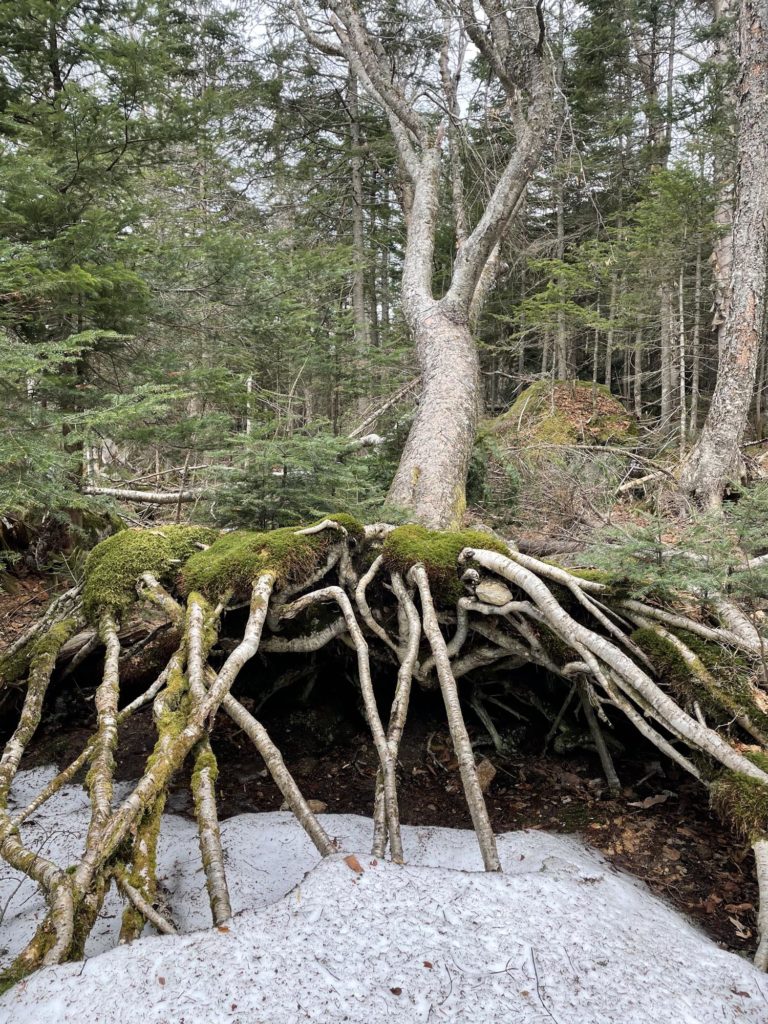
458	730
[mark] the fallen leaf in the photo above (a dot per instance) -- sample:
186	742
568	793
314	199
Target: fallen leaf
352	862
650	801
738	908
428	964
711	903
670	854
396	991
161	979
223	928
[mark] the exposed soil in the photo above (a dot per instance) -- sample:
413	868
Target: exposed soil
660	830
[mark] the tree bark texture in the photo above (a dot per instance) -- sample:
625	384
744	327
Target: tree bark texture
715	459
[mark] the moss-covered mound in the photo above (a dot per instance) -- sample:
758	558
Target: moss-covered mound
566	412
114	566
237	559
720	686
524	457
742	801
438	551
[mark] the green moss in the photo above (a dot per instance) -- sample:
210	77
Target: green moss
210	631
236	559
206	759
617	587
438	551
742	802
568	412
355	529
758	758
13	667
714	656
114	566
172	716
721	695
666	659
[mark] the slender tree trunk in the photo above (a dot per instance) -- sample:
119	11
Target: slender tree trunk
545	354
666	357
715	458
696	345
638	368
562	369
361	327
681	360
609	334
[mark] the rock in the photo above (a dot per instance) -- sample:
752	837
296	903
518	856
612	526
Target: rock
493	592
486	773
316	806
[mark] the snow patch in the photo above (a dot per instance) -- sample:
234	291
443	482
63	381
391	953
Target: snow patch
560	936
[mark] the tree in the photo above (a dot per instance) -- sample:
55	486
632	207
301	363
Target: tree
715	458
431	476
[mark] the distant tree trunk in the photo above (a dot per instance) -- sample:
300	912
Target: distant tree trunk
696	345
596	348
667	357
360	313
722	252
682	411
609	334
715	458
638	368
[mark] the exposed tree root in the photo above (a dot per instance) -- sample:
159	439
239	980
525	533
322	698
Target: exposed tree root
450	607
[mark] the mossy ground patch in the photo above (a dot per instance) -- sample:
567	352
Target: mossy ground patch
438	551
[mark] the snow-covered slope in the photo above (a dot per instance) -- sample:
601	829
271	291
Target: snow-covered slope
560	936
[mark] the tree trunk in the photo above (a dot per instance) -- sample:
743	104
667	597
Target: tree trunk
430	481
682	410
722	252
638	368
715	458
609	333
431	476
693	423
361	326
665	356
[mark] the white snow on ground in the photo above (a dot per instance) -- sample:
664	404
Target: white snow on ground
559	937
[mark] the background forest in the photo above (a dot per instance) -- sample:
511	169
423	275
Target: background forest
201	237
